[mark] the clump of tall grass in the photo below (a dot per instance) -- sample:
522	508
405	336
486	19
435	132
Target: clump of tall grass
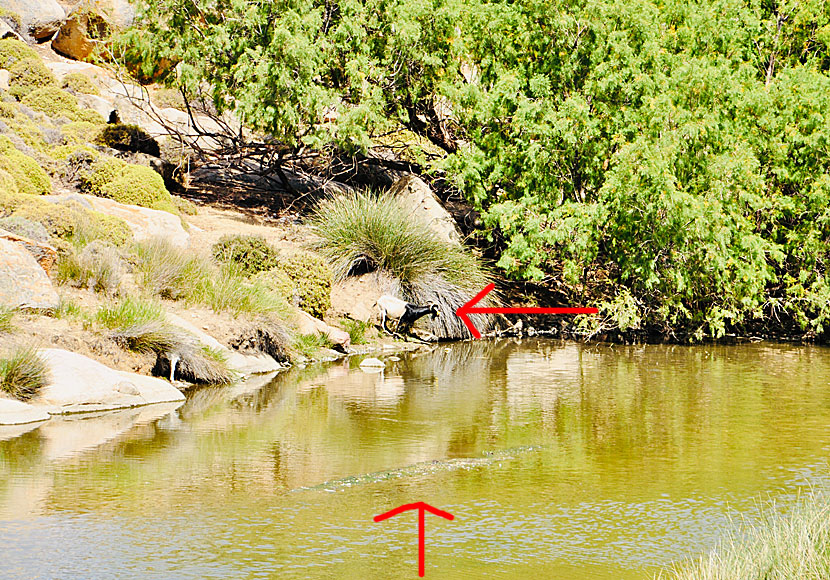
168	272
365	232
781	546
23	373
356	329
6	317
98	267
140	326
308	344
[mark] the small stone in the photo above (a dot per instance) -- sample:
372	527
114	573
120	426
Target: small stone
372	363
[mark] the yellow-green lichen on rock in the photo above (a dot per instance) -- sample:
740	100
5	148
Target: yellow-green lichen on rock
27	173
26	71
128	183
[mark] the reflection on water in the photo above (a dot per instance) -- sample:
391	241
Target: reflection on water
558	459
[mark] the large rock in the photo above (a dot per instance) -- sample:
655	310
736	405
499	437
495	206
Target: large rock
14	412
244	364
145	223
40	19
80	384
417	195
89	23
23	283
45	254
307	324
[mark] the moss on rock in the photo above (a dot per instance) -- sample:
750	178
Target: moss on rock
28	175
312	279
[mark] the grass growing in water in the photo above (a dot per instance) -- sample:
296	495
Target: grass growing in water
782	546
364	232
308	344
23	373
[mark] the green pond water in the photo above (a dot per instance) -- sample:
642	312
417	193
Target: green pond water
558	460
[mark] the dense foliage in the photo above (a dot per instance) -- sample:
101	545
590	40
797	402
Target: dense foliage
668	161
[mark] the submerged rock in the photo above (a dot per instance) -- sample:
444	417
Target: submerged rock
80	384
23	283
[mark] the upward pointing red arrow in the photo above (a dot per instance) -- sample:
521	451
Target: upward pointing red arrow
469	308
421	507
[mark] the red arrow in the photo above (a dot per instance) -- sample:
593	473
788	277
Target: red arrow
421	507
470	308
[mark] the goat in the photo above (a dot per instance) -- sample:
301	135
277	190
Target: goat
405	313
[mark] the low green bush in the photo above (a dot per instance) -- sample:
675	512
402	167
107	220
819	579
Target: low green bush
28	175
66	221
127	183
53	101
26	71
23	373
252	254
79	83
130	138
312	281
79	132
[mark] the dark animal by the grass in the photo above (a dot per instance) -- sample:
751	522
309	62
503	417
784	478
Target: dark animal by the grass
406	313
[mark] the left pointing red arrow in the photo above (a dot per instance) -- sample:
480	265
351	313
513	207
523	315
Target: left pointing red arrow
421	507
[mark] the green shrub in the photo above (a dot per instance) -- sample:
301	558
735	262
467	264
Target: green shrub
23	373
79	83
24	227
12	19
67	221
53	101
128	138
251	254
7	110
28	175
27	75
79	132
128	183
279	282
90	116
364	232
312	281
6	317
13	50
